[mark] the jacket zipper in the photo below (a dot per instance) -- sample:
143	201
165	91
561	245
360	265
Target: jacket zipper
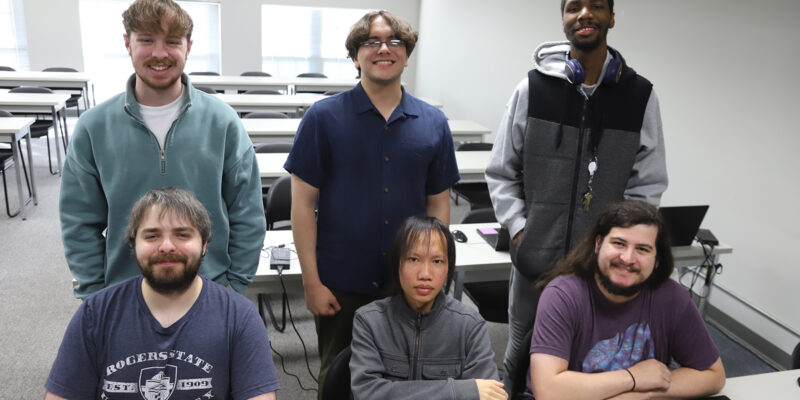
576	175
416	347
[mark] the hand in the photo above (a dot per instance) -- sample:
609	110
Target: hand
517	237
320	301
651	375
490	389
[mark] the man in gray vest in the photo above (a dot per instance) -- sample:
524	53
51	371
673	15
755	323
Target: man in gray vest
580	131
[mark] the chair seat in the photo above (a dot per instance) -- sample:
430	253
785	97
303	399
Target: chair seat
476	193
40	128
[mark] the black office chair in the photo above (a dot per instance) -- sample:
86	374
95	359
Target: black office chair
332	92
4	68
41	127
269	148
337	381
519	382
491	297
74	99
279	203
312	75
266	114
475	193
254	73
262	91
207	73
206	89
796	357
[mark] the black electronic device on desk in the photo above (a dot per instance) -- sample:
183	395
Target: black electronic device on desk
279	258
683	223
497	238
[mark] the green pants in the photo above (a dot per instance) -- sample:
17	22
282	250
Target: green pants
335	333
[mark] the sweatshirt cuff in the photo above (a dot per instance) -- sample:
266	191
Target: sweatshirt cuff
465	389
238	286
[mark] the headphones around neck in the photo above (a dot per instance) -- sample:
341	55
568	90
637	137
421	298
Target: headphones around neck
576	74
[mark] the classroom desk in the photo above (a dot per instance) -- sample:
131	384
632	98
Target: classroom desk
476	261
286	85
12	130
471	165
51	80
39	103
291	104
781	385
278	130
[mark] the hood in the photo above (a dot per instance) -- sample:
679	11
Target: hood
550	58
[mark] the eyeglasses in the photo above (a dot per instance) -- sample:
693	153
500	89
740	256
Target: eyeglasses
391	43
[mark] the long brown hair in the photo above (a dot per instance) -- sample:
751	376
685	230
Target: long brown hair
582	260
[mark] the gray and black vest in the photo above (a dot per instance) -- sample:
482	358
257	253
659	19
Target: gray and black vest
564	131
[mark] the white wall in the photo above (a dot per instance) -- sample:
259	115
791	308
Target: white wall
719	68
54	34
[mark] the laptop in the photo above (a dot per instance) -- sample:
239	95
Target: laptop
497	238
683	222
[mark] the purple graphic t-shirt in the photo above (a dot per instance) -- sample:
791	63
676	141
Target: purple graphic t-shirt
576	322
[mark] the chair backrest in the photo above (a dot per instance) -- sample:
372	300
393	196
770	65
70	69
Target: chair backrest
30	89
206	89
59	69
519	382
479	215
796	357
273	147
474	146
337	380
4	68
279	201
265	114
209	73
255	73
332	92
5	114
311	75
262	91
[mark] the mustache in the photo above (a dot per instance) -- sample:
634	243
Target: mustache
169	257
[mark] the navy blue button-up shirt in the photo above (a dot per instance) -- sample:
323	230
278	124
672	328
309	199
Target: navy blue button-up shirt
371	175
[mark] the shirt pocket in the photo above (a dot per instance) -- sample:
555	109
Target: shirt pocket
395	368
436	370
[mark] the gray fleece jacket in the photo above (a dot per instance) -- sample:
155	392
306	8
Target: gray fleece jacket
399	354
504	173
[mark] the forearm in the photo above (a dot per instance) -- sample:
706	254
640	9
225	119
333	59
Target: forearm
569	385
438	206
688	382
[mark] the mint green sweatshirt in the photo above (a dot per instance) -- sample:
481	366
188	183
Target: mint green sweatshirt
113	159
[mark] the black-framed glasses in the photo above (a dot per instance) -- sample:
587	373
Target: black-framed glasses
391	43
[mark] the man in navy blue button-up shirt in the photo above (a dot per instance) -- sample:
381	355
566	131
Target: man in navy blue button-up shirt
367	159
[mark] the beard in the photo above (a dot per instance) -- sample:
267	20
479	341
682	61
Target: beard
176	281
602	33
613	288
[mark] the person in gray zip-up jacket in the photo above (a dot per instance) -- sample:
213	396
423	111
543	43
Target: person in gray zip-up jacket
422	344
582	130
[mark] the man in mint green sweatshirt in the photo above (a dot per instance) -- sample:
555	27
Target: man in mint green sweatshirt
160	132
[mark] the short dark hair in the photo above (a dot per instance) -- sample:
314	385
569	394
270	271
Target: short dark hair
412	230
151	16
174	202
581	261
359	33
610	5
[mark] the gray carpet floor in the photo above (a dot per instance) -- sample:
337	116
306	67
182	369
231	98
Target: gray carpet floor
36	304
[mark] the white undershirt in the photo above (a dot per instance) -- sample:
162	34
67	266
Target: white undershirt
159	119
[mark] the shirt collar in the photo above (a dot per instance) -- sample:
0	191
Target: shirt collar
406	108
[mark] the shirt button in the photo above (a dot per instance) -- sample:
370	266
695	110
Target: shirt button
383	254
386	158
386	128
386	190
386	222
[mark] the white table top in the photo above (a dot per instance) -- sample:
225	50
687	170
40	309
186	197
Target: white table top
269	82
33	100
270	100
471	164
41	78
780	385
12	125
280	127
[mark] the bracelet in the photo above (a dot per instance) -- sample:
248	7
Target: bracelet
634	379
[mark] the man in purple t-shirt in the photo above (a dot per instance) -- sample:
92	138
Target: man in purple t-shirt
610	320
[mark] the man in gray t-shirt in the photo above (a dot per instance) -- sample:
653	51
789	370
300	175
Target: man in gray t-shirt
610	318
